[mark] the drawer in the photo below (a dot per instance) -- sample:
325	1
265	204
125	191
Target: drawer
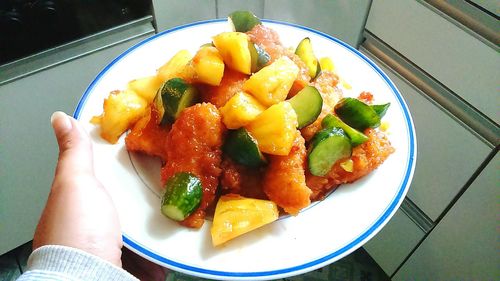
448	154
28	147
446	51
394	242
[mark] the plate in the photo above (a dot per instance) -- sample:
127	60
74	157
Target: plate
321	234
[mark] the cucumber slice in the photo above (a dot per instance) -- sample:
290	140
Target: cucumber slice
258	56
305	52
173	96
327	147
357	114
243	149
307	103
381	109
183	193
356	136
243	21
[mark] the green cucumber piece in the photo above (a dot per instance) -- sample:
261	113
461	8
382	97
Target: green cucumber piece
327	147
381	109
183	193
173	96
356	136
307	104
243	21
357	114
243	149
305	52
259	57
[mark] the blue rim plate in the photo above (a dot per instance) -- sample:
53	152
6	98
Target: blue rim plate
321	234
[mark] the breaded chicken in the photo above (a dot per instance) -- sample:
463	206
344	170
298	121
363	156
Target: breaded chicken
147	137
194	145
284	180
239	179
231	83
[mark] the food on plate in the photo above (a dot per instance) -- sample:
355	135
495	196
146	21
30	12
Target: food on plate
305	52
307	103
236	215
195	146
183	193
247	128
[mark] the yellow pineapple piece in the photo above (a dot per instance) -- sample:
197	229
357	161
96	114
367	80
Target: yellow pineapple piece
236	215
272	83
176	67
145	87
326	64
208	66
121	110
233	47
240	110
275	129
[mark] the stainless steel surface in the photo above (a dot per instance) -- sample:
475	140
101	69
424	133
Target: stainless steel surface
70	51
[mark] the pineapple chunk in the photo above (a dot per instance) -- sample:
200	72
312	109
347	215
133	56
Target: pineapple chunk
236	215
326	64
272	83
145	87
177	66
275	129
233	46
121	110
240	110
209	66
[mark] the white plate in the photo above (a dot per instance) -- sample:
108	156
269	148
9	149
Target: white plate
319	235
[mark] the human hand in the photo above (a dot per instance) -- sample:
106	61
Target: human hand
79	212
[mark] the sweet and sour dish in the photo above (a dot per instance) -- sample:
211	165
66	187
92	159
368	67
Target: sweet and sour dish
246	129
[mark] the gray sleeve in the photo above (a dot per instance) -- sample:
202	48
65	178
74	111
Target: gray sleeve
55	262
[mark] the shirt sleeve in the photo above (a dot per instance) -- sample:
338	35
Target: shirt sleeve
54	262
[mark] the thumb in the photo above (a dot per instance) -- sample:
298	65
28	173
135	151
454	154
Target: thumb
75	148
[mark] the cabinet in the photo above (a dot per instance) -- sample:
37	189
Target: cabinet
341	20
448	73
464	245
28	149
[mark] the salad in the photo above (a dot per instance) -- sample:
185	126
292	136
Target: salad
247	128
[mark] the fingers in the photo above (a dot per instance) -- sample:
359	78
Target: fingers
75	149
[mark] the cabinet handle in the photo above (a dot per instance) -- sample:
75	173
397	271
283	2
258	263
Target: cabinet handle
452	104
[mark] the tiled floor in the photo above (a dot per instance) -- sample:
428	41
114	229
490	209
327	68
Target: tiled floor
358	266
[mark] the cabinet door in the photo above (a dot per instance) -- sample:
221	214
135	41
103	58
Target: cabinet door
225	7
464	245
445	50
341	19
447	154
28	150
171	13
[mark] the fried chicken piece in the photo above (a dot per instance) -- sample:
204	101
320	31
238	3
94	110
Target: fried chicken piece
147	136
284	180
242	180
366	158
194	145
231	83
